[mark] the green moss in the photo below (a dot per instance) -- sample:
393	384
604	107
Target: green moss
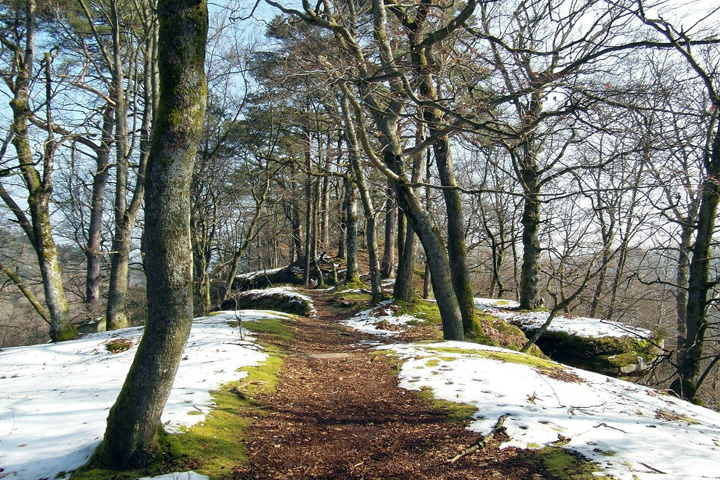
67	333
271	326
560	464
455	411
609	355
118	345
605	453
216	445
499	333
541	364
211	447
345	286
92	472
426	312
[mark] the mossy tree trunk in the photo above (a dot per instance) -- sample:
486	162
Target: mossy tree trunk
39	185
530	270
419	219
424	63
366	201
404	282
131	438
116	315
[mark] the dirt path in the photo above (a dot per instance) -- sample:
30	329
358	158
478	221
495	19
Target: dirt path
338	413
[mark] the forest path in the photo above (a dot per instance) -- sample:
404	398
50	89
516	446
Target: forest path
338	413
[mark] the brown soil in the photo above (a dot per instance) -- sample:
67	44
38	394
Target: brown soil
339	414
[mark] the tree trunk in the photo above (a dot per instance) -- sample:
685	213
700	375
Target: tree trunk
315	255
698	281
116	315
529	273
431	238
39	187
308	209
404	285
342	237
600	287
457	250
126	215
404	282
366	200
387	267
352	274
131	438
424	61
681	279
93	254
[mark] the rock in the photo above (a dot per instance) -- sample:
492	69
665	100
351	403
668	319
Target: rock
602	346
281	300
613	356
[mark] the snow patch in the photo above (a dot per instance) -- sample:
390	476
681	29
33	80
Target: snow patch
626	428
54	398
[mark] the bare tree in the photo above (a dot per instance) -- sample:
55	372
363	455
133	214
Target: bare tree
131	437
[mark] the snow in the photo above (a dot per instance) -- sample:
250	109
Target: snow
259	273
372	320
626	428
54	398
178	476
285	291
580	326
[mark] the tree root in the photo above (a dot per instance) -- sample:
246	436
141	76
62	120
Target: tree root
483	441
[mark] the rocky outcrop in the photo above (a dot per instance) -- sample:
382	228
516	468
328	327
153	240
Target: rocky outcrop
602	346
277	299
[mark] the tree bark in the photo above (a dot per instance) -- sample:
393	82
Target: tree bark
387	267
529	272
352	273
424	63
126	215
699	275
39	187
308	208
131	438
404	282
457	251
93	254
116	315
366	200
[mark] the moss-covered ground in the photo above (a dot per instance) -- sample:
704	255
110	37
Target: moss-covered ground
561	464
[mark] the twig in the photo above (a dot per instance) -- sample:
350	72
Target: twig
482	442
652	468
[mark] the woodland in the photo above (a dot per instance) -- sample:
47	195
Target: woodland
564	154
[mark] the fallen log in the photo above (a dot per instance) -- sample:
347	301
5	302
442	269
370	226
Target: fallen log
483	441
